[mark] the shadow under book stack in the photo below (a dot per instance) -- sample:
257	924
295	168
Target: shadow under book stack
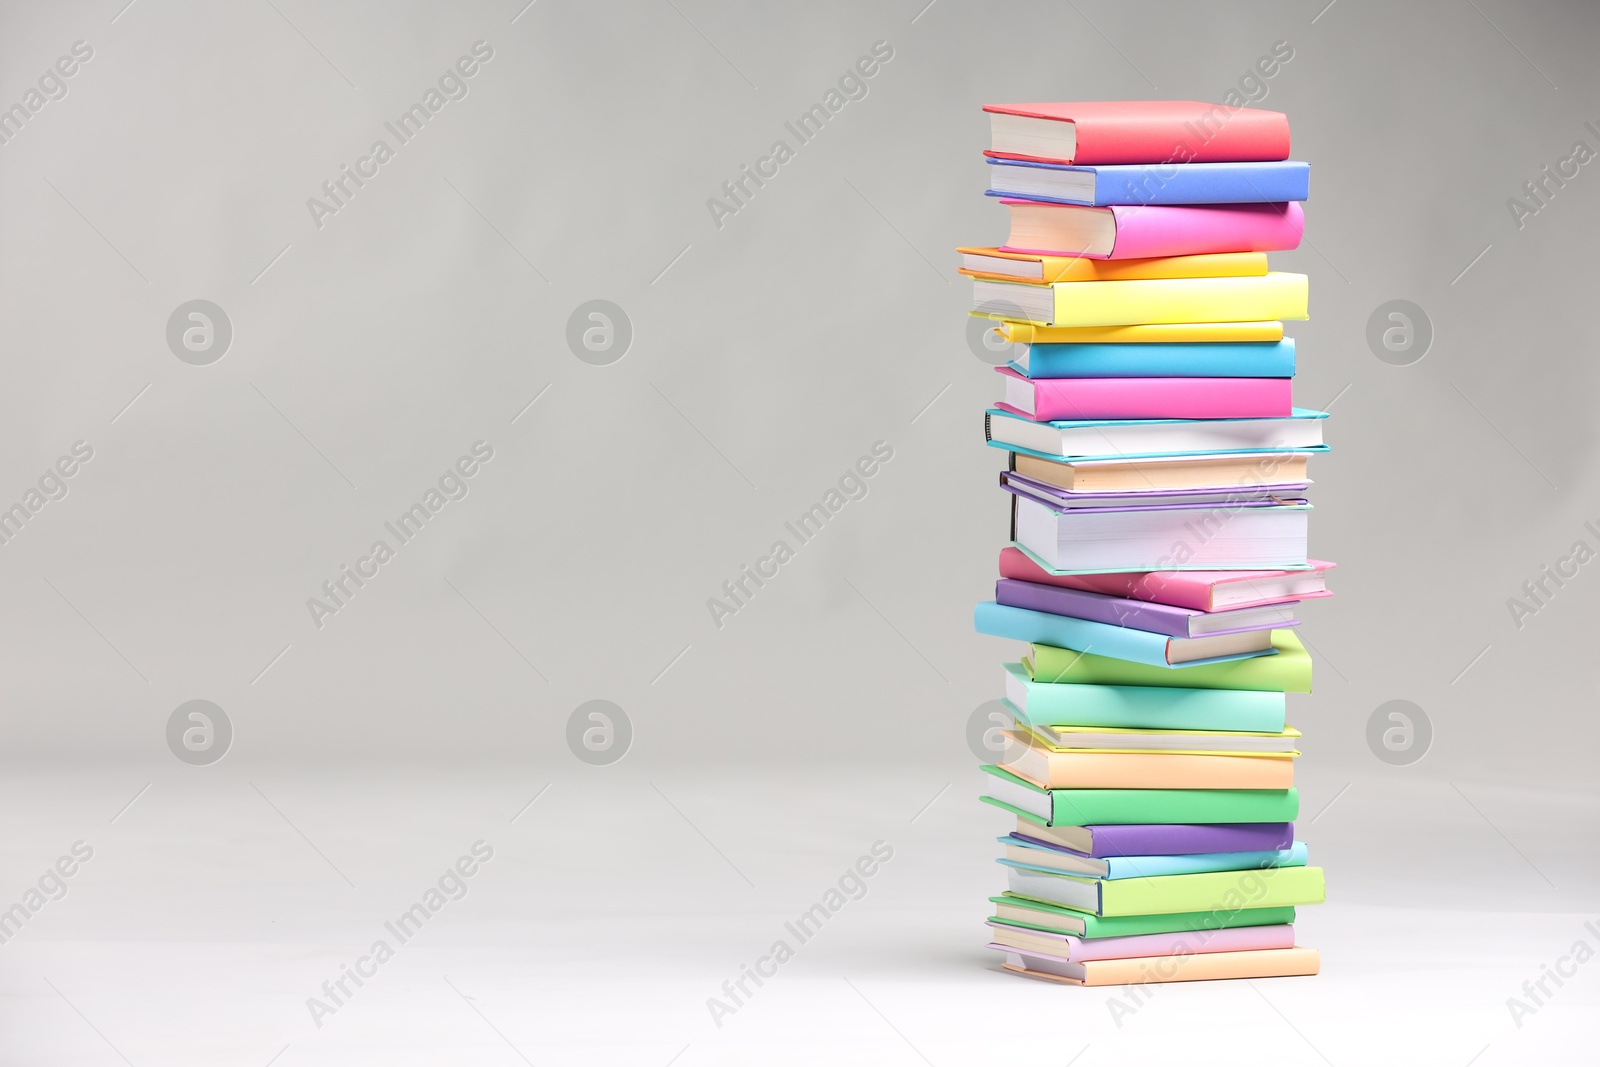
1156	480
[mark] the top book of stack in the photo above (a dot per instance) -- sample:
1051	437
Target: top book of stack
1136	131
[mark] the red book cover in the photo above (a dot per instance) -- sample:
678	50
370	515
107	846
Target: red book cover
1160	131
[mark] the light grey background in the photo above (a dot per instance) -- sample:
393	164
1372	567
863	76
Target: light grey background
768	354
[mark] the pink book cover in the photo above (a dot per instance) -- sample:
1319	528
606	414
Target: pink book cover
1160	131
1182	589
1075	399
1146	231
1232	939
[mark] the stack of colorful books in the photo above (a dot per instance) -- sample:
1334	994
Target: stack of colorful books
1157	487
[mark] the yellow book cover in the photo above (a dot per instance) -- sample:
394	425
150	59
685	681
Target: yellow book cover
1176	736
1274	295
1043	270
1017	331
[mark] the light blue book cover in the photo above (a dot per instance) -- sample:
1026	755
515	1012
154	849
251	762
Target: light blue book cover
1082	635
1241	359
1153	866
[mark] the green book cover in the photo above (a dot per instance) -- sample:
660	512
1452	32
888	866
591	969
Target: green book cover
1224	891
1104	807
1217	891
1287	672
1143	707
1060	920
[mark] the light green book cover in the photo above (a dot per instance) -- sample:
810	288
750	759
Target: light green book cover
1059	920
1287	672
1108	807
1267	887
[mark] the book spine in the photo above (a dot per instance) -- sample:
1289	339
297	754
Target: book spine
1089	399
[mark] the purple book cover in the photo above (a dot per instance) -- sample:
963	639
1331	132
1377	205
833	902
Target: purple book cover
1112	610
1176	839
1251	500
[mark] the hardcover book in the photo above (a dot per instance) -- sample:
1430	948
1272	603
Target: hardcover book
1135	183
1180	537
1275	295
1080	949
1160	839
1086	399
1287	672
1205	591
1197	967
1215	891
1140	614
1137	706
1136	131
1179	742
1218	471
1028	853
1139	646
1150	232
1232	359
1021	331
1124	439
1026	913
989	262
1142	770
1094	807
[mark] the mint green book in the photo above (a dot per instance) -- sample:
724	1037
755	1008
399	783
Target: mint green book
1098	807
1144	707
1214	891
1030	914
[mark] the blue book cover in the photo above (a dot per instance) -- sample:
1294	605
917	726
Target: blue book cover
1081	635
1151	183
1239	359
1157	866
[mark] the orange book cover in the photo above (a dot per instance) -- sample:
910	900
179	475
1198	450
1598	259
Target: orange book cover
1053	769
1197	967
